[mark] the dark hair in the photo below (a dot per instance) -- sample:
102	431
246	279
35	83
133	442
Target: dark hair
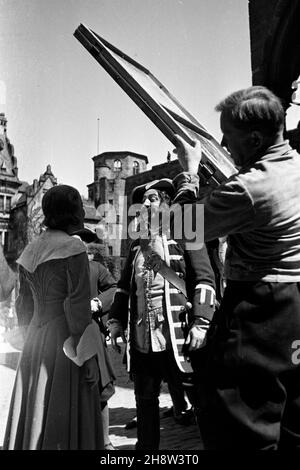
62	207
254	108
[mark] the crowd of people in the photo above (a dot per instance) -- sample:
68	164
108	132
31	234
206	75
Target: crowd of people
226	353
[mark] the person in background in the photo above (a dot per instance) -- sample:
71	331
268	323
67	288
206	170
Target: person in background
153	308
253	374
103	287
7	277
55	400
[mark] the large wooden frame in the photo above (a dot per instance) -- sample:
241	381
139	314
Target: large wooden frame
158	104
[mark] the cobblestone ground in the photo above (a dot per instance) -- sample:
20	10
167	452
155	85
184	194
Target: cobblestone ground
121	405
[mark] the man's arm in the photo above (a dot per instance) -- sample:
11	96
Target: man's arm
200	283
228	209
107	287
119	311
120	305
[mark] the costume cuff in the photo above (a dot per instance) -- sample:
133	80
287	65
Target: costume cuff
202	322
88	345
204	302
186	184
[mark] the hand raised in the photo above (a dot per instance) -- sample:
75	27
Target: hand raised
189	156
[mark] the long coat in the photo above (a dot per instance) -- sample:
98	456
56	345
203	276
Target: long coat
195	269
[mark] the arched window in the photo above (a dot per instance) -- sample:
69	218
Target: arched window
117	165
136	168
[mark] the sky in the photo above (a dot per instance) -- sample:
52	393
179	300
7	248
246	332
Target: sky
53	91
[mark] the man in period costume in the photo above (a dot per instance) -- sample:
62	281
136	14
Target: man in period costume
151	303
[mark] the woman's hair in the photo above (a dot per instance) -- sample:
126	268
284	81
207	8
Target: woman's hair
62	208
254	108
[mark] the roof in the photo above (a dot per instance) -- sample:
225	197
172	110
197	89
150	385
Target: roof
120	155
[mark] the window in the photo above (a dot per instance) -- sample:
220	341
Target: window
118	219
117	165
1	203
111	202
8	204
111	185
110	250
136	168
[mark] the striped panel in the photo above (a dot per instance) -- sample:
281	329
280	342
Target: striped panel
160	291
180	341
172	242
207	294
177	308
174	291
122	291
176	257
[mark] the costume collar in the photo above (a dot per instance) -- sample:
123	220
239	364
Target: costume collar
52	244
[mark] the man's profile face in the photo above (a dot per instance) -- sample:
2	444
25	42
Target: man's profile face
151	198
238	142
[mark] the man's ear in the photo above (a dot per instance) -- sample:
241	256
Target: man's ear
257	139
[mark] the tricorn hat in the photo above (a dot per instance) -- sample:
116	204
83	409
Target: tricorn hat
164	184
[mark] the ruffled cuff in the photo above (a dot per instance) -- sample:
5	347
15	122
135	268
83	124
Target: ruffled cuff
87	347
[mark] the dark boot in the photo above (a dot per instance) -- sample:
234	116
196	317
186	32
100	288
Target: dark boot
148	432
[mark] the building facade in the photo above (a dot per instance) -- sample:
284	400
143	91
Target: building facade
9	181
26	216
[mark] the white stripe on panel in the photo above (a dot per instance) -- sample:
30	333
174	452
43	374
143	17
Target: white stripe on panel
174	291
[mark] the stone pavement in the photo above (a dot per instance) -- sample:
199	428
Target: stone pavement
121	405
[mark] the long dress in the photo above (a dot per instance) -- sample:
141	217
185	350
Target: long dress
53	407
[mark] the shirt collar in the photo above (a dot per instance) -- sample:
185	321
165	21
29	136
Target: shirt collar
278	149
273	151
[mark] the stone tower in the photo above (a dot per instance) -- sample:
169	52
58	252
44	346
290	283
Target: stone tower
111	169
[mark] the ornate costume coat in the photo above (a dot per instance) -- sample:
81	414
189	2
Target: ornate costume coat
195	269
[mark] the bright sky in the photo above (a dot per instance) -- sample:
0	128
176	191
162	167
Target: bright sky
53	91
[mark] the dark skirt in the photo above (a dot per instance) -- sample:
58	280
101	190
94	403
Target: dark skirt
52	406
